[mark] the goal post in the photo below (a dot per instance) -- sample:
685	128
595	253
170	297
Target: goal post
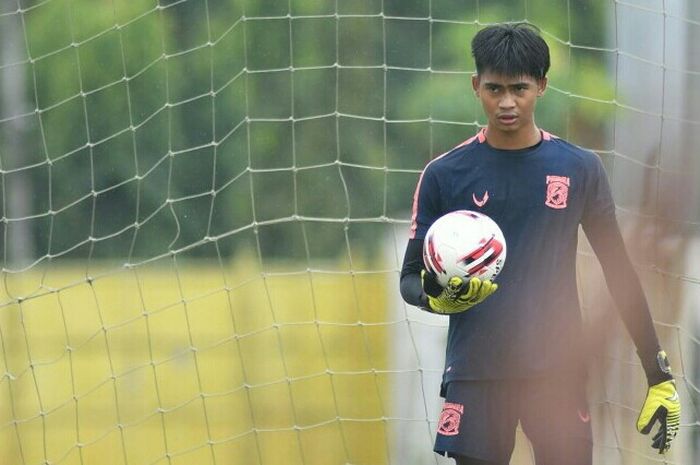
205	205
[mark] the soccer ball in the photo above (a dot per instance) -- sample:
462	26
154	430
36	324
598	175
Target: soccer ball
464	243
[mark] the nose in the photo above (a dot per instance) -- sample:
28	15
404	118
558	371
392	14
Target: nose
507	101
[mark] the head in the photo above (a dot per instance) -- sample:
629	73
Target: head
512	61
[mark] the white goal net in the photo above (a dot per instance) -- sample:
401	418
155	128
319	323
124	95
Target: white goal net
205	205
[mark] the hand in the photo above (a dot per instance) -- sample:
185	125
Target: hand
661	405
458	296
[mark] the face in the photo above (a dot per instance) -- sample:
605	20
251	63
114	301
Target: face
509	103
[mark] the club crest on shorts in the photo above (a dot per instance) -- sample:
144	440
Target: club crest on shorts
557	191
449	419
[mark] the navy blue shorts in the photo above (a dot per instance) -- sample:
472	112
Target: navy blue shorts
479	420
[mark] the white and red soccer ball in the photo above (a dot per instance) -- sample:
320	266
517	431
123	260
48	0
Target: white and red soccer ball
464	243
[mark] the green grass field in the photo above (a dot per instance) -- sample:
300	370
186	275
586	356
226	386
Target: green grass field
192	364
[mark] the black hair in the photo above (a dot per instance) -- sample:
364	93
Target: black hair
512	50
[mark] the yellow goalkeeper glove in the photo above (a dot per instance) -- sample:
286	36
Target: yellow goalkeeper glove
661	405
458	296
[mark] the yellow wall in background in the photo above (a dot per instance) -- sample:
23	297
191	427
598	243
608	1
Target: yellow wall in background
188	363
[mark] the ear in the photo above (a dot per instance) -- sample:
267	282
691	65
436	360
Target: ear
541	86
475	84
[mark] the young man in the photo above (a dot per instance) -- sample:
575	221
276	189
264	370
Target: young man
518	354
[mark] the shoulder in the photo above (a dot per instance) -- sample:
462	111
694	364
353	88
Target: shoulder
448	160
574	153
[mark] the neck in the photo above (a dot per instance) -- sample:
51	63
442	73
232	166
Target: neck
515	140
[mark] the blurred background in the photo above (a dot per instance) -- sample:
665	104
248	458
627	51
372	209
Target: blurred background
205	205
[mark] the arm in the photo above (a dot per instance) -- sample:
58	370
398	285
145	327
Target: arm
426	209
603	232
411	285
601	228
626	290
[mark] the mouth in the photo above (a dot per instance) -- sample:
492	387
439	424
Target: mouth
507	118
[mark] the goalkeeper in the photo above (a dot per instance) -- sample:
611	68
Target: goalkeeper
515	352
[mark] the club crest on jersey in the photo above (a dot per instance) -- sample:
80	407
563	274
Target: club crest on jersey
451	416
557	191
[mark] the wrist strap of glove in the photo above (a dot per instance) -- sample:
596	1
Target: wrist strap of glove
656	367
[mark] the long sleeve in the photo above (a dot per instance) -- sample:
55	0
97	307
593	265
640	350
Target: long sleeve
411	287
603	232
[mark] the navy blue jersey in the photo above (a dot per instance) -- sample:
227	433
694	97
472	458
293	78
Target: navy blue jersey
538	196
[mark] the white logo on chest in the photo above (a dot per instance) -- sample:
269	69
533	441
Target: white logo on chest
482	201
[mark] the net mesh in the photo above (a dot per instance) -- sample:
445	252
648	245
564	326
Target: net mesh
205	206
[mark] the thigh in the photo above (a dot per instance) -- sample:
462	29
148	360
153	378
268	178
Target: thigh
478	420
556	419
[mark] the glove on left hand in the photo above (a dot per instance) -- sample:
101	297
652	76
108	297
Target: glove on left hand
661	405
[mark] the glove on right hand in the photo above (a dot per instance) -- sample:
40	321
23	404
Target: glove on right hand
458	296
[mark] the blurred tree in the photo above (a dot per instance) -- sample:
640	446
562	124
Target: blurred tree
162	126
